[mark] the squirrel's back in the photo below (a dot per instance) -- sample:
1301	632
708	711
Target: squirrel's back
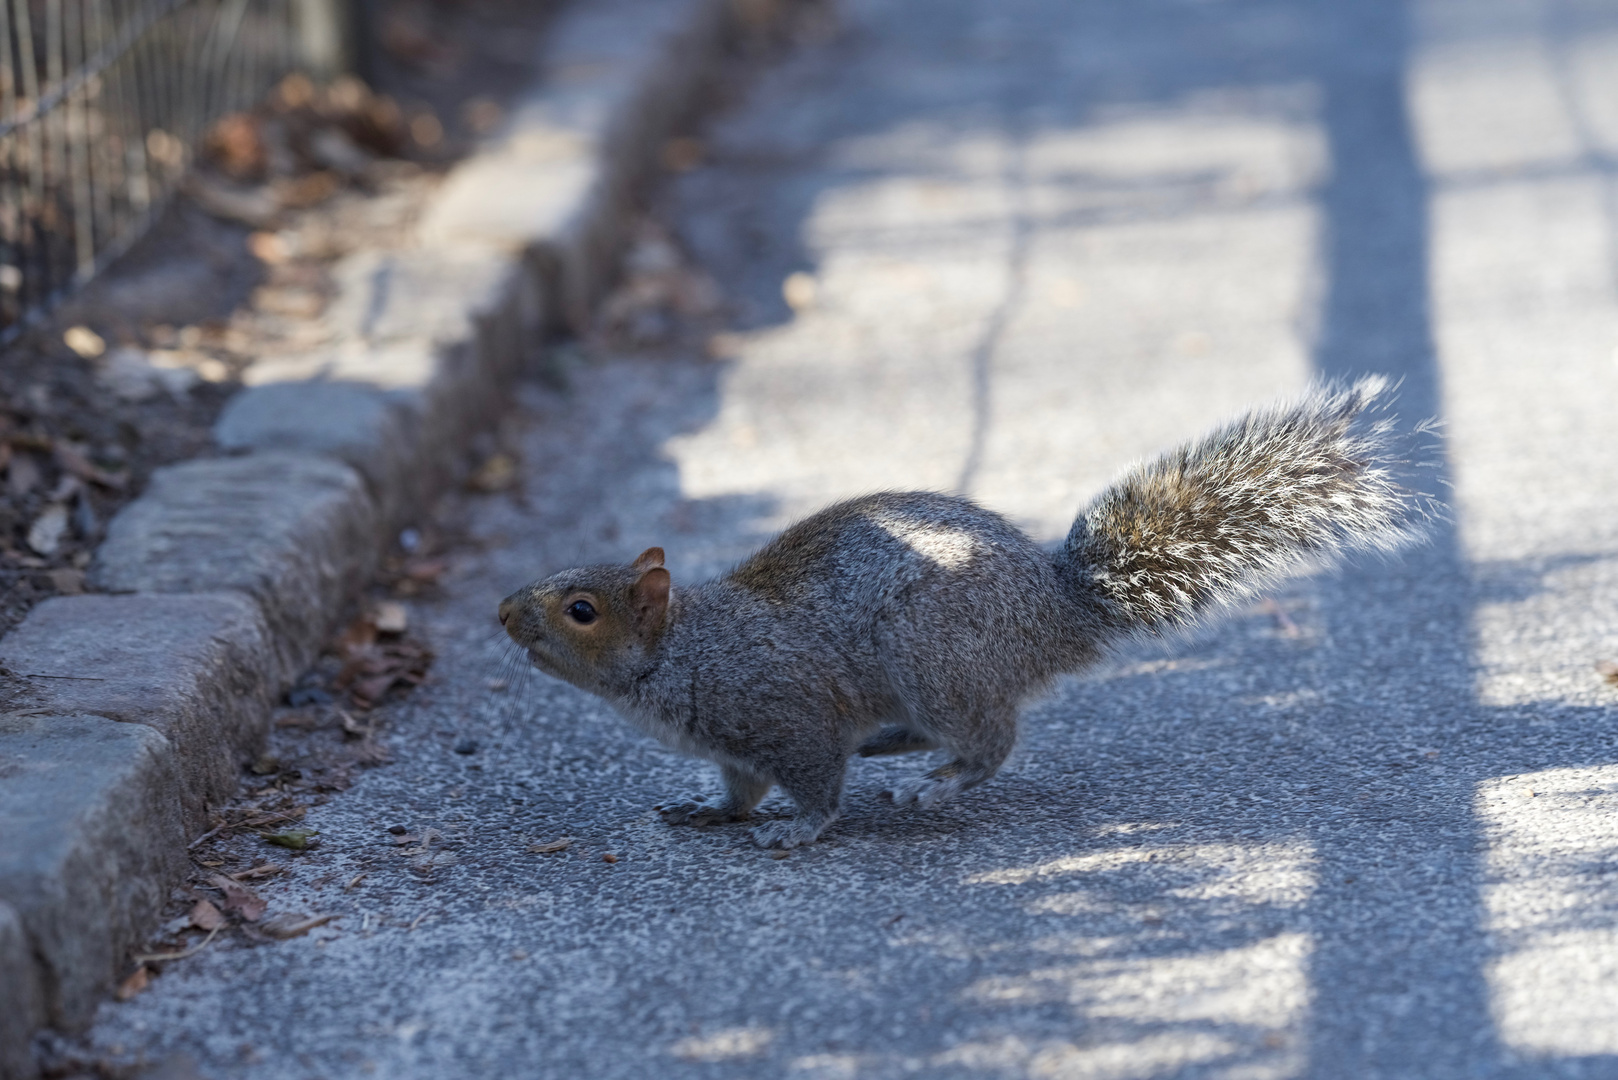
877	546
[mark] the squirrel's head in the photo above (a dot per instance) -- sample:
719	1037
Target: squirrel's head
594	626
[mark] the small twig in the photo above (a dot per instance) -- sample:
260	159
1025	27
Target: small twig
74	678
215	831
250	823
151	958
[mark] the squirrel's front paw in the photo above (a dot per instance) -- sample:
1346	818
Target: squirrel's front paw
699	810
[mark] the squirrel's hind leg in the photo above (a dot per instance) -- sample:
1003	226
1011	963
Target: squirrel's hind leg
979	749
816	788
896	739
743	790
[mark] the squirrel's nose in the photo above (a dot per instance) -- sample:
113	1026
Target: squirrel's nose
505	611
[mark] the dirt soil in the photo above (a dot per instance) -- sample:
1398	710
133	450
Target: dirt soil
130	374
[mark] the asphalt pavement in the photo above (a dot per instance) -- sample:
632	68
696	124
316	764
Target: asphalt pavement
1362	828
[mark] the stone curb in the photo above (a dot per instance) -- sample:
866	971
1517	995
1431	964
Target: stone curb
97	802
145	705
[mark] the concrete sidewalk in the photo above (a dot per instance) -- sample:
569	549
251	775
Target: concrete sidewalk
1363	830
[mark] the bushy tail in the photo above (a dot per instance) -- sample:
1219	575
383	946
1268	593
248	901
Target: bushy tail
1217	520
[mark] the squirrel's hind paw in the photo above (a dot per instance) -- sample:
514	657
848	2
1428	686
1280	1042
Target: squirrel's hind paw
926	791
700	810
785	834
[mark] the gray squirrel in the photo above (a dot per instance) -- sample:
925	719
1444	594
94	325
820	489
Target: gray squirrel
909	621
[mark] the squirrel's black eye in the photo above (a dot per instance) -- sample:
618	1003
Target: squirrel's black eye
581	611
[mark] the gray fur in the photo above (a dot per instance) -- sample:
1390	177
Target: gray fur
904	621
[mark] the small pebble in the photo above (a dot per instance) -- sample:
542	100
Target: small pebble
397	830
780	854
609	857
466	746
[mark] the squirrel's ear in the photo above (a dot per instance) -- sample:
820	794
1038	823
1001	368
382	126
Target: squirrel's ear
649	558
649	599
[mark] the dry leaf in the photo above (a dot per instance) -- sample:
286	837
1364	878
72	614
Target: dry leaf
373	668
306	191
295	839
140	980
84	341
426	571
609	857
236	146
1608	670
269	247
554	845
204	916
238	898
288	300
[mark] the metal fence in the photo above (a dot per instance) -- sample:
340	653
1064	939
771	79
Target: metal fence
101	105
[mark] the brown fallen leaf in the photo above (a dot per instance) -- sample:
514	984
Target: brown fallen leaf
302	192
288	300
371	671
609	857
269	247
263	870
553	845
236	145
356	637
204	916
288	925
134	984
239	898
426	571
1608	670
